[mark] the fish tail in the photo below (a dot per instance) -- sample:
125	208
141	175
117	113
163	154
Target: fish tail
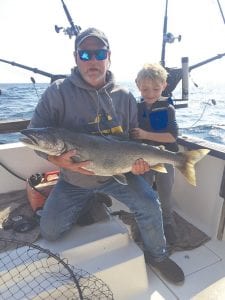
187	168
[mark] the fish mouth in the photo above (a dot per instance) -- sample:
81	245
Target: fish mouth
28	140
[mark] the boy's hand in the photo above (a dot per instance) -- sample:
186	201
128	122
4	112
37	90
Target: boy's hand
138	133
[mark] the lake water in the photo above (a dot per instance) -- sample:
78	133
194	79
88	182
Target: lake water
204	117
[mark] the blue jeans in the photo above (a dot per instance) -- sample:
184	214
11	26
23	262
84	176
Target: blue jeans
164	183
66	202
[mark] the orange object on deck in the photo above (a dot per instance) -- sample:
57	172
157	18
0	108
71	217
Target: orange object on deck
39	187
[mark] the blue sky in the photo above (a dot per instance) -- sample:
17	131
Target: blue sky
134	30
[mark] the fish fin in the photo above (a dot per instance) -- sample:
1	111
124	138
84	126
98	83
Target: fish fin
188	166
121	178
159	168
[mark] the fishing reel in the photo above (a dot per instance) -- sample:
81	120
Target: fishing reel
170	38
73	30
70	31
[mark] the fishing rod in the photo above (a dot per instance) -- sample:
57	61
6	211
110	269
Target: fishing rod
164	34
73	30
35	70
175	74
168	37
201	63
221	11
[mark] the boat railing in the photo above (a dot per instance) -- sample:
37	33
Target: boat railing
12	126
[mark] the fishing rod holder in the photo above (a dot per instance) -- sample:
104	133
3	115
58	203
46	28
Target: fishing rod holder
185	78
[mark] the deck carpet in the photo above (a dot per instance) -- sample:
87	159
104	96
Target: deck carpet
188	236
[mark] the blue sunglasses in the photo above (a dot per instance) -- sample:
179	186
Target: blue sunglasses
86	55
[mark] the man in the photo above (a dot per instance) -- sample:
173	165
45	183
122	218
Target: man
90	101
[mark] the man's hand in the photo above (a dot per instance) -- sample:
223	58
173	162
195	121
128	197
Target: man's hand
140	167
65	161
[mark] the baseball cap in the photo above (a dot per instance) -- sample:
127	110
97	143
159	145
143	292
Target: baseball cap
88	33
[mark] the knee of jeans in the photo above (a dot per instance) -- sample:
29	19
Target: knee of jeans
49	231
49	236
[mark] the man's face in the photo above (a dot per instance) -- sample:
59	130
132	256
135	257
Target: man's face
93	71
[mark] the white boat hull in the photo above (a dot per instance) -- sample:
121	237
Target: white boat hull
107	250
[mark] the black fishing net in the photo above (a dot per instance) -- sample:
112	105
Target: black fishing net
28	271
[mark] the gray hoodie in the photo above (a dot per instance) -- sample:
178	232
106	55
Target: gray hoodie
73	104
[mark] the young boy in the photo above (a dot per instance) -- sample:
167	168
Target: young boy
158	126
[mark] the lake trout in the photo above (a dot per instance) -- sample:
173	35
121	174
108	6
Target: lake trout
110	155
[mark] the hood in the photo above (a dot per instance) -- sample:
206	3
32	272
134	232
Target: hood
78	81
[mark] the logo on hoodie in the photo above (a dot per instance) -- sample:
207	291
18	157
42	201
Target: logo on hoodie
104	123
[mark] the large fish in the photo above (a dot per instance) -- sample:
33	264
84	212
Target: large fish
110	155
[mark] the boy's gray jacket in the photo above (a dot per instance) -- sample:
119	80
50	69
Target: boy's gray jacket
73	104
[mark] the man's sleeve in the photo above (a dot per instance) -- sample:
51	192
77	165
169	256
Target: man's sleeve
48	109
46	113
133	112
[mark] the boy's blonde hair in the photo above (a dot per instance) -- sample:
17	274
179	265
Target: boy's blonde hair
153	71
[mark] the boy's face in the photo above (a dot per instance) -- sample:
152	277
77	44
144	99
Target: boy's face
151	90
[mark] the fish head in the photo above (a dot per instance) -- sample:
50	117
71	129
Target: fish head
47	140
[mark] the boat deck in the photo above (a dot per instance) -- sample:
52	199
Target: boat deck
107	250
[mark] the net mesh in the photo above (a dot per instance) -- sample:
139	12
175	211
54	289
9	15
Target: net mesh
32	272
